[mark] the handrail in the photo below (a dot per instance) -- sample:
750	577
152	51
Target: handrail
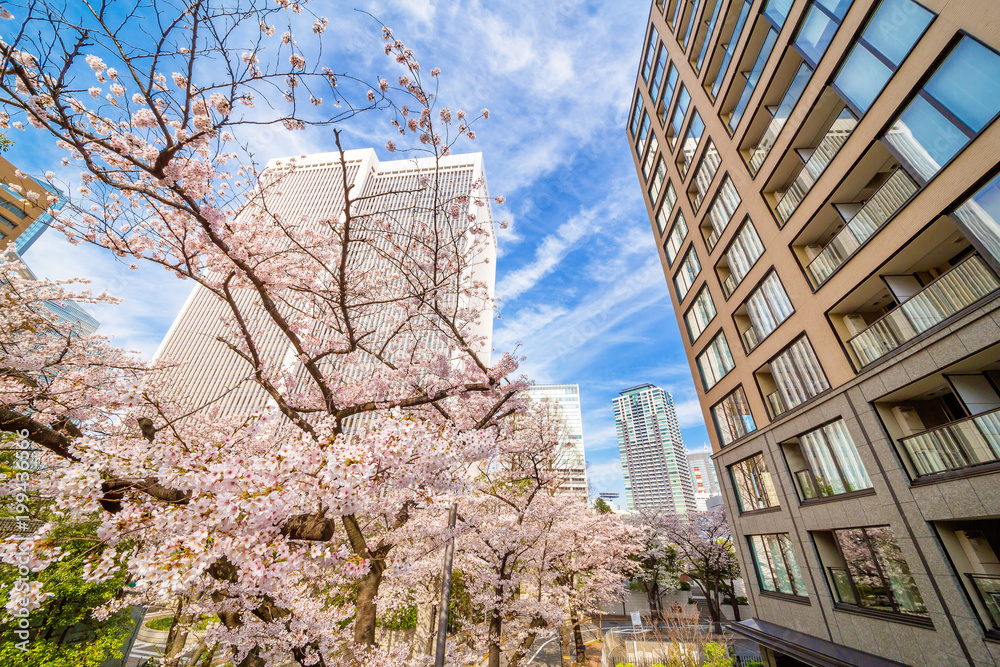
949	425
891	181
924	289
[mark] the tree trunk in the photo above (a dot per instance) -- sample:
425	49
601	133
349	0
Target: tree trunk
177	636
496	626
366	609
732	599
581	648
653	599
526	642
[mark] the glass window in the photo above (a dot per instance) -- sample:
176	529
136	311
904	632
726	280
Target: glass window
731	47
834	464
647	62
640	144
689	28
816	33
981	216
704	174
950	110
708	35
673	243
776	11
721	212
880	578
686	273
654	188
781	115
743	253
732	417
715	361
752	481
647	164
768	306
669	199
797	374
636	115
777	569
884	44
654	83
752	77
690	146
669	83
680	111
700	313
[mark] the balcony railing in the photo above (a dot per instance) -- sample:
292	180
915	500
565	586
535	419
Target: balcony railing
843	584
776	404
988	587
750	338
817	163
960	287
967	442
881	206
729	285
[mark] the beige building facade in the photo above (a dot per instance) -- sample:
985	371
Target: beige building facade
821	178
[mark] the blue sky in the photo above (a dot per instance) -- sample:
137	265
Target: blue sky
581	285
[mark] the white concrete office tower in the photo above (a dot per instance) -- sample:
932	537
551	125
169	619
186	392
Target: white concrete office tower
565	399
314	191
654	460
706	483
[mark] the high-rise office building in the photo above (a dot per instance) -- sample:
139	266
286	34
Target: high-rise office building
654	461
706	484
564	399
24	207
209	373
821	178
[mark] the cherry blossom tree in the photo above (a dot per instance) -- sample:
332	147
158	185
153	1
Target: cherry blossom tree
701	548
281	521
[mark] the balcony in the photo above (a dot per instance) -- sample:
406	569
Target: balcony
775	404
729	285
961	286
988	588
816	161
862	225
960	444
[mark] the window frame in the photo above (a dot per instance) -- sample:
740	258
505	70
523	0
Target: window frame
746	220
767	365
691	250
743	304
711	346
796	596
715	418
760	467
715	312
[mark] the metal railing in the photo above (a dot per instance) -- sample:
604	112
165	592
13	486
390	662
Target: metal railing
988	588
881	206
817	163
776	404
960	444
750	338
961	286
729	285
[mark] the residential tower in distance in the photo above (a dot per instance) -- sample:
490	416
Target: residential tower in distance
654	462
821	179
572	461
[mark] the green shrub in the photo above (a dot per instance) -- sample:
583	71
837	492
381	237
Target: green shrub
755	663
691	601
685	585
624	664
404	618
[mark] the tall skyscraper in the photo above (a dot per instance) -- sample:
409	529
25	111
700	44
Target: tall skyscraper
564	399
654	461
706	484
209	373
821	178
24	207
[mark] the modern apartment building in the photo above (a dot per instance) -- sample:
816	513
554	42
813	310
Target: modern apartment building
564	399
24	207
654	461
210	374
822	183
703	477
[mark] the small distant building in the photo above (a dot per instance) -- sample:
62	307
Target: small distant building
706	483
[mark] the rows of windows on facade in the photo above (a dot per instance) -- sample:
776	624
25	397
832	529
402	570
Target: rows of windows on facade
823	184
25	214
660	474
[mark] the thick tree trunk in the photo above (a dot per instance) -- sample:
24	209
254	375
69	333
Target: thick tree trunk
365	607
526	643
653	598
581	648
496	626
177	636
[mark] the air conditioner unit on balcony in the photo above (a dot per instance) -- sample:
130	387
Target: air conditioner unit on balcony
813	251
908	419
855	324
